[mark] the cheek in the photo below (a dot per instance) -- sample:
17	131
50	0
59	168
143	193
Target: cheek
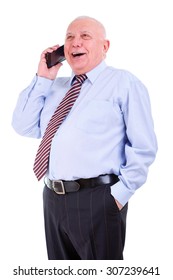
97	54
66	53
67	49
98	49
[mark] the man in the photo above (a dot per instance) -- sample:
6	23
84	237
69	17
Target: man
100	153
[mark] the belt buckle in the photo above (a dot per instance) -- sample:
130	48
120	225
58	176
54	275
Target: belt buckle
62	186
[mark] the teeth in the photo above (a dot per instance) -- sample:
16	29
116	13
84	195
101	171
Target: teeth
77	54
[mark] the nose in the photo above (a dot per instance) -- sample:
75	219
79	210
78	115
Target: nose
77	41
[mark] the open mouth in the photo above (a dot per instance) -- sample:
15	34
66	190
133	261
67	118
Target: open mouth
75	54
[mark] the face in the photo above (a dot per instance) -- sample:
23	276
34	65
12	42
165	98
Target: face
85	45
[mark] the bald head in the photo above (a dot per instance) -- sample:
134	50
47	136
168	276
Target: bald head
95	21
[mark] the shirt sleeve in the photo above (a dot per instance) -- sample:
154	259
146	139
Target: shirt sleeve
26	115
141	144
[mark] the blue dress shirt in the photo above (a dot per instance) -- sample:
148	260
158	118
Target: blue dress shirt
109	129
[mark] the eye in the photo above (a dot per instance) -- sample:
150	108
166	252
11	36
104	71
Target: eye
86	36
69	37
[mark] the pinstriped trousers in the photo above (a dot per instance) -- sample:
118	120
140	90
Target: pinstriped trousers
84	225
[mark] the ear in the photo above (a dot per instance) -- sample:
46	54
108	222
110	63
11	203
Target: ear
106	46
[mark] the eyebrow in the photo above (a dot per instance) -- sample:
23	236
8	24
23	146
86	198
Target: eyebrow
82	32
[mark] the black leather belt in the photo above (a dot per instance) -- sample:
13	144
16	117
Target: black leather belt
62	187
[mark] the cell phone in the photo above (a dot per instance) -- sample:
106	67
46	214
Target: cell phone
55	57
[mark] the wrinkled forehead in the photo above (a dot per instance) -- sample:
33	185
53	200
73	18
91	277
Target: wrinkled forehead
86	25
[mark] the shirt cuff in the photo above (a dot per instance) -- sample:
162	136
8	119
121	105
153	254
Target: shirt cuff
41	85
121	193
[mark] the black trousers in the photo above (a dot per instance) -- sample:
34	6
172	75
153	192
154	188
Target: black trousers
84	225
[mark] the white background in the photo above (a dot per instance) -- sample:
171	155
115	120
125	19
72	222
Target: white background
140	34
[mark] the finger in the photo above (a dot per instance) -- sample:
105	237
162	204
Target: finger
51	49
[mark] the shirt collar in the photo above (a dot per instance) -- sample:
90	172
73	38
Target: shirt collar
94	73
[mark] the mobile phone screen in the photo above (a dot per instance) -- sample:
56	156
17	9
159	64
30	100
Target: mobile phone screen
55	57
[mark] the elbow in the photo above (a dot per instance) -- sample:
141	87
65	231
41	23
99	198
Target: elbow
17	128
25	131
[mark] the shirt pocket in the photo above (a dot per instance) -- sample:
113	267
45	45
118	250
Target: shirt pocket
98	116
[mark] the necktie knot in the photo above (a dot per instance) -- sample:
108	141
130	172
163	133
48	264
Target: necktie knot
81	78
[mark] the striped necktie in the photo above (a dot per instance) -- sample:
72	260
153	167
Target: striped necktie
42	156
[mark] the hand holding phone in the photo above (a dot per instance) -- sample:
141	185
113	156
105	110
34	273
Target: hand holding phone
55	57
